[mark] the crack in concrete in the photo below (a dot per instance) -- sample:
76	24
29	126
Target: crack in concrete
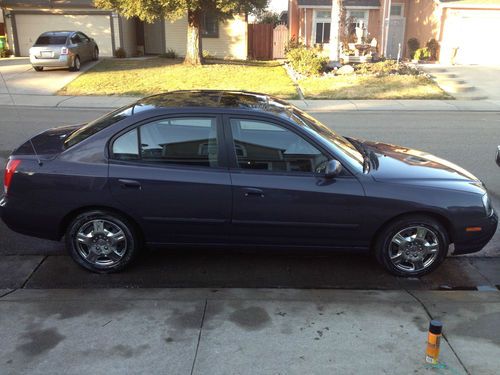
199	336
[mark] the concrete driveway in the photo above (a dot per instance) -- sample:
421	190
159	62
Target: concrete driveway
484	78
22	79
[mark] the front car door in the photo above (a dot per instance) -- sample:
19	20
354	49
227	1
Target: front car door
169	173
280	193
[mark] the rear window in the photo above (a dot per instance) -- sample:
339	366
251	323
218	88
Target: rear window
46	40
96	126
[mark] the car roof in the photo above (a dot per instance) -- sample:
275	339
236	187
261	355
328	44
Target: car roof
224	99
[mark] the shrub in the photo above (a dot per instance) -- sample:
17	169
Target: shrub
292	44
306	61
413	45
433	46
5	52
120	53
169	54
422	54
384	68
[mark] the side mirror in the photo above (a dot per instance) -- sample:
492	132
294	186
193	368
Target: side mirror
498	156
333	169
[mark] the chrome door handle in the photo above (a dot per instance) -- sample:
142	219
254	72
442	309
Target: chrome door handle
253	192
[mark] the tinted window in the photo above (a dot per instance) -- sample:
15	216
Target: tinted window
75	39
83	37
46	40
126	147
185	141
265	146
97	125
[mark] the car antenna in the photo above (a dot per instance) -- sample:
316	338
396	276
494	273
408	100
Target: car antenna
19	116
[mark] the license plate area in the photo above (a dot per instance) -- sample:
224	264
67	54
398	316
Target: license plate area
46	54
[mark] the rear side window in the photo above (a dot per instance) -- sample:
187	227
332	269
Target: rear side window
45	40
178	141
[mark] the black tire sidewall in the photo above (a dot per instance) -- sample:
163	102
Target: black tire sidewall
76	68
385	237
123	223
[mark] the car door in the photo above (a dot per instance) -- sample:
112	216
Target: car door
169	174
280	193
86	46
76	46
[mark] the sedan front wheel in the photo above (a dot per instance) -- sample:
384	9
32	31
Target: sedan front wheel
101	241
412	246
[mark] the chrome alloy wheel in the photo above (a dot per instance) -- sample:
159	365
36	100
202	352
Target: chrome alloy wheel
101	242
414	248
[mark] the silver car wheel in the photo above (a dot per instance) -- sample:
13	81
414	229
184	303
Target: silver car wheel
101	242
414	248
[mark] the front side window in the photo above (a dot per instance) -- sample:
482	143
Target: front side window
260	145
180	141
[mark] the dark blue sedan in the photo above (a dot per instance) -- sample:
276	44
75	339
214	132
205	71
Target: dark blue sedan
236	168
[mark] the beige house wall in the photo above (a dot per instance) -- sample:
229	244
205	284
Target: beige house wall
231	43
423	22
129	36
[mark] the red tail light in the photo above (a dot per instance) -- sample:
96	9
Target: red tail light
64	51
10	169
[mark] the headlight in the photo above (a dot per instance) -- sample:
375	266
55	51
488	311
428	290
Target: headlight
487	205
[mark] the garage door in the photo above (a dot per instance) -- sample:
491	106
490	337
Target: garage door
472	32
30	26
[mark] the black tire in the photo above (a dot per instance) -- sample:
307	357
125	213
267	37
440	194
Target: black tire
76	64
385	247
38	68
102	263
95	54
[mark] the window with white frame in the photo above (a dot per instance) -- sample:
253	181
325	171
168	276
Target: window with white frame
322	23
397	10
356	18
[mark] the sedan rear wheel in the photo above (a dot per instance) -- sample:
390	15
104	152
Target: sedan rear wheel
101	241
76	64
412	246
95	55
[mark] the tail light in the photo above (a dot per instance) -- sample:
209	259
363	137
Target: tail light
64	51
10	169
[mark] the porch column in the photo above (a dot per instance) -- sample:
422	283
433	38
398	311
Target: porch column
334	33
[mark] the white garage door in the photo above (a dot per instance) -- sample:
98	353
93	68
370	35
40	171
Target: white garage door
474	33
30	26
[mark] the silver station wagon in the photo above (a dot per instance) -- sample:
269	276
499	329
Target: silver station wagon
63	49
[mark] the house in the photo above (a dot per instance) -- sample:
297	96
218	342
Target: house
25	20
463	28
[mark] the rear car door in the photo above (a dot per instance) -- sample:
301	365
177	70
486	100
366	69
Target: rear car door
169	174
85	45
280	193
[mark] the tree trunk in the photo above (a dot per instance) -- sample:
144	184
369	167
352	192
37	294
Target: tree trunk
194	51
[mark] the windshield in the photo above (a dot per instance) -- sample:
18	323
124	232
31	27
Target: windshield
97	125
46	40
339	142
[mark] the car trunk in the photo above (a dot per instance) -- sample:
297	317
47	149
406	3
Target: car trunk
51	51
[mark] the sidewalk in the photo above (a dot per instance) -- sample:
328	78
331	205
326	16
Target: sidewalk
245	331
110	102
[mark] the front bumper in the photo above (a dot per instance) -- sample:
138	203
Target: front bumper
472	242
64	61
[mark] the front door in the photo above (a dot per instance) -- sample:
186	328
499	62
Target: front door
167	174
280	194
395	38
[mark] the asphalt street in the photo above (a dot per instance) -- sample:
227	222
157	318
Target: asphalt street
468	139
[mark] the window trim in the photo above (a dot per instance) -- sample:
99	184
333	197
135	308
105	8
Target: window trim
233	158
317	20
221	149
402	15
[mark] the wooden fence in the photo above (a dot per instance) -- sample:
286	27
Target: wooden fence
266	42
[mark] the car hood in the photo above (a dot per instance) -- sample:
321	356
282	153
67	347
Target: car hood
392	162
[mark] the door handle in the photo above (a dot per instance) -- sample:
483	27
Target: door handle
130	184
253	192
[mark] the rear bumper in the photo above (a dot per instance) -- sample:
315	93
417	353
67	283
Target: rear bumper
64	61
472	242
26	222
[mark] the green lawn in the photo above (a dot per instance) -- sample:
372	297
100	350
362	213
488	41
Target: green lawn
371	87
155	75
